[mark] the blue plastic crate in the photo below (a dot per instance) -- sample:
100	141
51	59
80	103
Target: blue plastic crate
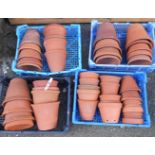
141	81
121	29
73	51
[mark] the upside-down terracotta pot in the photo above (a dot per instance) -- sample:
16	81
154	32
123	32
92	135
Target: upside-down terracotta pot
110	113
132	102
55	29
87	109
56	61
89	87
89	75
47	88
130	94
110	78
137	108
45	96
133	115
43	83
89	81
88	94
132	121
29	67
46	115
30	46
110	98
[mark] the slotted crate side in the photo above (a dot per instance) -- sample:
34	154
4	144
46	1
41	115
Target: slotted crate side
141	81
73	62
121	29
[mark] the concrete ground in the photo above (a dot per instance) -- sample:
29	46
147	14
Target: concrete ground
7	52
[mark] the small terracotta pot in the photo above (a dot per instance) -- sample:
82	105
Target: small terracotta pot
19	125
49	88
137	108
89	87
29	67
55	43
89	81
129	83
131	94
56	61
110	78
108	59
106	52
31	61
87	94
140	60
43	83
109	88
110	113
46	115
132	121
15	85
55	29
45	96
87	109
5	112
110	98
89	75
133	115
29	53
30	46
132	102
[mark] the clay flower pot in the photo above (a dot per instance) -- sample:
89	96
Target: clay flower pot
89	87
43	83
87	109
128	84
30	46
29	67
56	61
109	88
132	102
15	85
5	112
132	121
130	94
110	98
110	113
46	115
55	29
137	108
106	30
55	43
88	94
30	60
89	81
110	78
89	75
19	125
133	115
45	96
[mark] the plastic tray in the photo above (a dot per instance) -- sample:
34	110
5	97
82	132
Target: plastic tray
121	29
73	51
141	80
64	109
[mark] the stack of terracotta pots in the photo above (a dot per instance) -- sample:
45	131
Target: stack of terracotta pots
130	96
17	106
30	52
88	93
107	46
55	46
110	104
46	105
138	45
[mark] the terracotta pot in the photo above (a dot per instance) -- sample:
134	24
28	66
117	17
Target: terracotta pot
110	113
30	46
130	94
29	53
137	108
87	94
89	75
109	88
133	115
56	61
48	88
110	98
132	121
136	32
55	43
54	36
29	67
108	60
140	60
110	78
129	83
15	85
45	96
31	61
55	29
89	81
87	109
139	52
88	87
107	43
43	83
46	115
107	52
19	125
106	30
5	112
132	102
